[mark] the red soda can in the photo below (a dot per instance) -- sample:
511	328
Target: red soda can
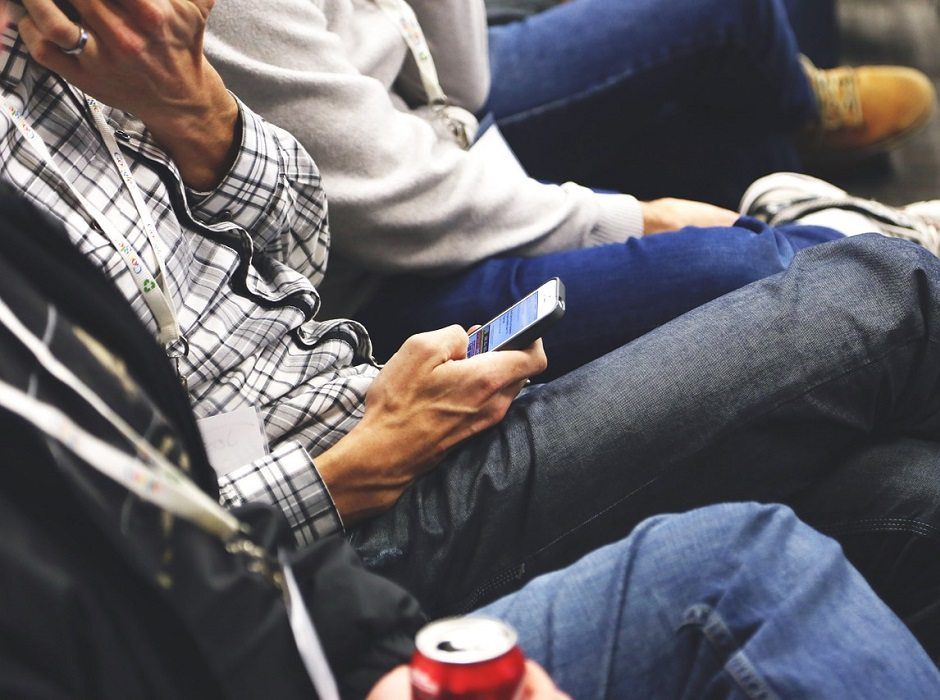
467	658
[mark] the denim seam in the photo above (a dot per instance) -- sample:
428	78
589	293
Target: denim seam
737	663
887	525
888	521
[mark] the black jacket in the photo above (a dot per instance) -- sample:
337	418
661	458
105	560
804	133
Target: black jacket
102	595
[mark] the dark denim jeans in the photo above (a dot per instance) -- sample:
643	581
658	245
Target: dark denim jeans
615	293
814	22
692	98
730	601
816	25
795	389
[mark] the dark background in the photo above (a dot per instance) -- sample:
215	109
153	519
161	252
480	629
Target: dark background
905	32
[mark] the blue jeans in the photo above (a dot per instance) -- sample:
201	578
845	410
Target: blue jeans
615	293
691	98
816	25
731	601
818	387
814	22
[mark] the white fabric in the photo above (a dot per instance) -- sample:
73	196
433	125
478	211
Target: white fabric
403	196
850	223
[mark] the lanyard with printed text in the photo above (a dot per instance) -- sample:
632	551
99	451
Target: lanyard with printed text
152	287
460	122
153	478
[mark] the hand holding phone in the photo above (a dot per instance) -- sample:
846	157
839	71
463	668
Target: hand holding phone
522	323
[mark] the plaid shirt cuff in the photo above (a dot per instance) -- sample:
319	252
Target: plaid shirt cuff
288	479
245	195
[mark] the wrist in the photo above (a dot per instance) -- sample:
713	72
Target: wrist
361	484
200	136
653	219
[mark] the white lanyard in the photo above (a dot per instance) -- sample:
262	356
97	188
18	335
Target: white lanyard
162	484
154	479
305	635
151	286
459	121
401	12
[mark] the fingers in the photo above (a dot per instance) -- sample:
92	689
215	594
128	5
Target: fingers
537	684
51	24
512	366
115	28
138	13
436	347
48	32
396	685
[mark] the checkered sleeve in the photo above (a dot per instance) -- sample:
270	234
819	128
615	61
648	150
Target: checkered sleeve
273	191
288	479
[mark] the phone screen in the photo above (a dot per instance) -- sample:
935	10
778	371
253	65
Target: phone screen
504	326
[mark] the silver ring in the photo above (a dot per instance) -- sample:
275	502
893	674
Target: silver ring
80	44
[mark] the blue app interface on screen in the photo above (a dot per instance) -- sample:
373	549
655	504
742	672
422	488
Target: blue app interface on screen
505	326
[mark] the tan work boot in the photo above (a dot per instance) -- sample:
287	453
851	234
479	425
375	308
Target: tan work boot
864	111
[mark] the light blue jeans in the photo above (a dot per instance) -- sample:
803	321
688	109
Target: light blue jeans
729	601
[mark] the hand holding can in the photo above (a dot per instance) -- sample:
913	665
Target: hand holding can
467	658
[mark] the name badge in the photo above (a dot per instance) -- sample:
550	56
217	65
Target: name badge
492	143
233	439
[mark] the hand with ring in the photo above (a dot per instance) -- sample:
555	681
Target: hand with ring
144	57
79	43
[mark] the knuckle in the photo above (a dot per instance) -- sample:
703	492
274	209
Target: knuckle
422	343
128	44
65	35
42	51
490	383
497	410
541	363
158	16
456	332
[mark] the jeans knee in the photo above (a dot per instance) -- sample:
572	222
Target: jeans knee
882	258
714	530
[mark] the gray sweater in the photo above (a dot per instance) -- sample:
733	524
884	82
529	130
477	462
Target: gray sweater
404	197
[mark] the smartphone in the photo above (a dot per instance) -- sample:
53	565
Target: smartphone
522	323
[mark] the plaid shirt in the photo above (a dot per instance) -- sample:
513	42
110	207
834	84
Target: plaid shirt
242	264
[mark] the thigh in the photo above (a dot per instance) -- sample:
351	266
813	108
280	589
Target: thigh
754	397
587	46
649	97
615	293
731	601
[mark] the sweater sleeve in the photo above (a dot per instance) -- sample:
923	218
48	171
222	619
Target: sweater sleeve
401	199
